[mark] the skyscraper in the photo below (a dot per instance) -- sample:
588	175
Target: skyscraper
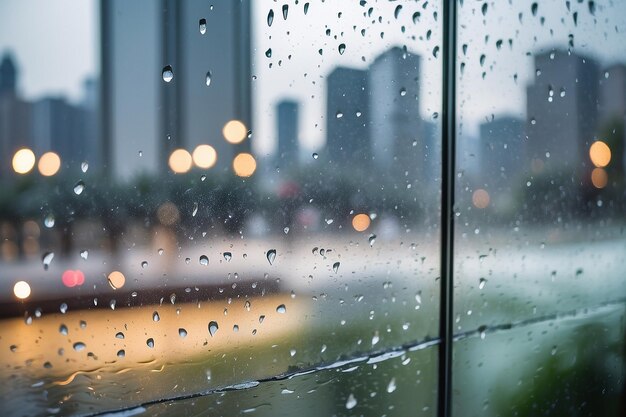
347	115
500	154
562	111
395	123
287	128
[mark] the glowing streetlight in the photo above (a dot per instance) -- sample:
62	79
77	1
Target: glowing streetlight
361	222
600	154
244	165
49	164
23	161
204	156
116	280
21	289
180	161
480	198
234	132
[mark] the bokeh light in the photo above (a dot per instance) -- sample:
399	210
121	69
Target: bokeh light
116	280
600	154
234	131
23	161
480	198
168	214
21	289
73	278
599	178
204	156
244	165
361	222
180	161
49	164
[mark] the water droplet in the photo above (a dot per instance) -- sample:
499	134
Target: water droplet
144	264
204	260
47	259
121	353
182	332
391	387
533	9
112	304
315	155
336	267
207	81
194	211
261	318
167	73
119	335
396	12
351	402
292	352
155	316
342	48
202	26
84	254
236	328
372	239
285	11
48	221
63	308
84	166
78	346
403	92
213	328
247	305
79	187
281	309
375	338
436	51
63	329
482	59
339	115
271	256
592	7
481	283
286	230
483	9
150	343
416	17
268	53
270	17
306	8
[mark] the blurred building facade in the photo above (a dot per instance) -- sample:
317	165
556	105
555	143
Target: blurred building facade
208	50
287	128
501	152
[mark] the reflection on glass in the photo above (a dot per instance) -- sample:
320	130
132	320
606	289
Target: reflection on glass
203	207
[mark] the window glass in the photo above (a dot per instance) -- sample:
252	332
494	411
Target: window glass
539	236
244	190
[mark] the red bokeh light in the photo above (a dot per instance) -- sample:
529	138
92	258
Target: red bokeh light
73	278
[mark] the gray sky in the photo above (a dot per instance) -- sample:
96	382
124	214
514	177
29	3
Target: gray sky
56	46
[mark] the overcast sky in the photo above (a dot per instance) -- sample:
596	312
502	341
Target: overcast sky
56	44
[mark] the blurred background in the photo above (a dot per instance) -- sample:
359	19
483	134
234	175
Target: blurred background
221	197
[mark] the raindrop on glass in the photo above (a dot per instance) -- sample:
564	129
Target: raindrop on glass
315	155
281	309
47	259
63	329
228	256
207	81
84	254
119	335
182	332
351	402
150	343
391	387
202	26
121	353
285	11
63	308
78	346
372	239
213	327
84	166
167	73
49	221
270	17
155	316
271	256
204	260
79	187
481	283
336	267
342	48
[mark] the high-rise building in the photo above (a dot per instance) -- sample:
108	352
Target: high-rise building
347	115
501	153
562	112
612	118
15	116
208	52
287	128
395	122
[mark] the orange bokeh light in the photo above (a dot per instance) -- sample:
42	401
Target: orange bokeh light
234	131
361	222
244	165
204	156
180	161
599	178
481	198
600	154
49	164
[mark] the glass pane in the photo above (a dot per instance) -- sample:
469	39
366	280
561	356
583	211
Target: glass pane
540	185
573	365
254	192
396	384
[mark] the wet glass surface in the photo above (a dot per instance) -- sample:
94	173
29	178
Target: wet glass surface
242	190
